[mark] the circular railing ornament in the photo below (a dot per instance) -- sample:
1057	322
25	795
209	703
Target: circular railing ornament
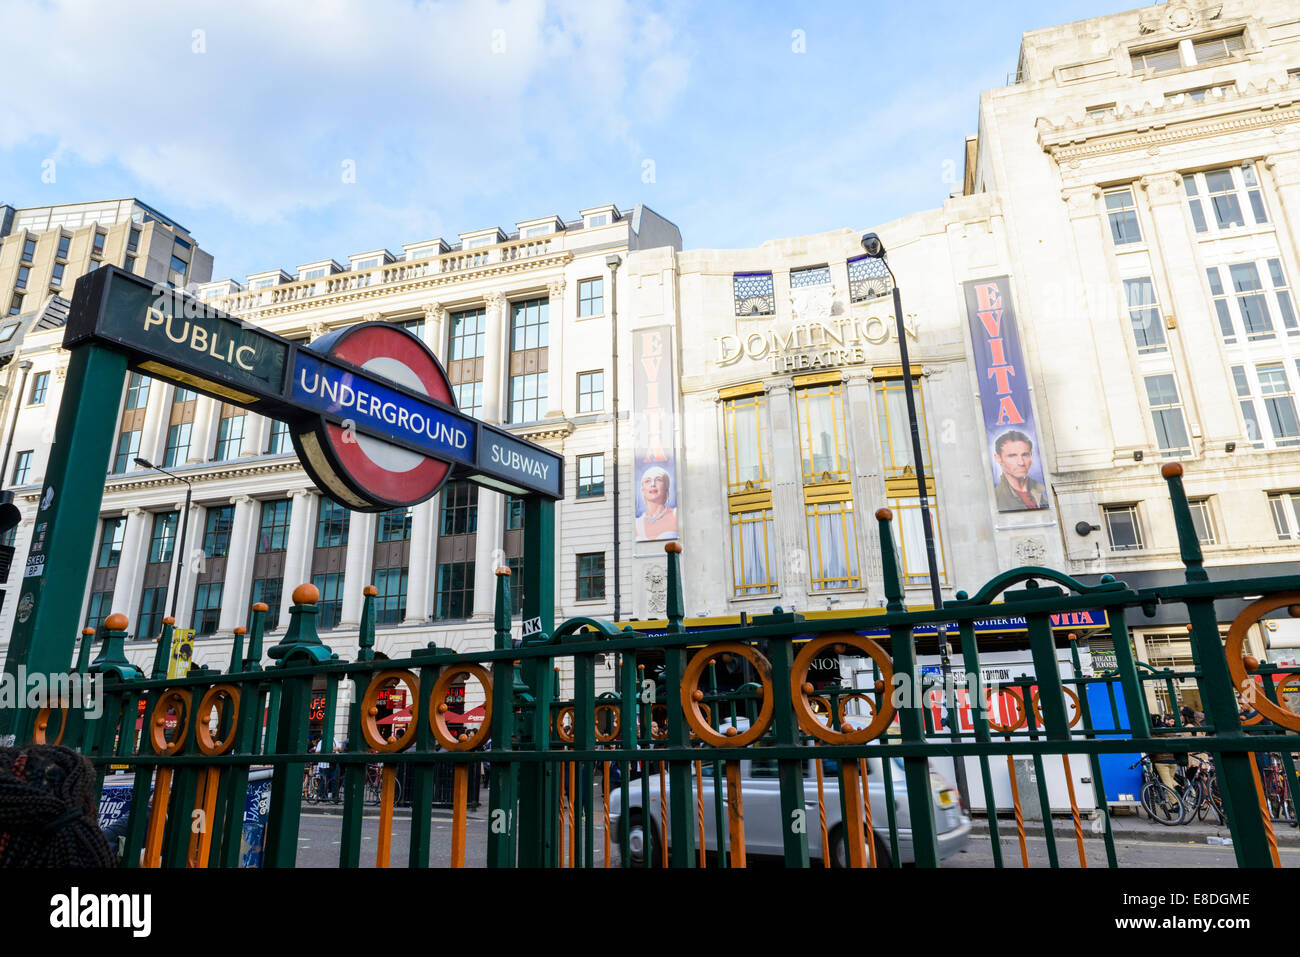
174	699
219	697
692	697
370	711
1234	647
801	690
460	741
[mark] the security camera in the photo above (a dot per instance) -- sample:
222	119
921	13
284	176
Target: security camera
872	246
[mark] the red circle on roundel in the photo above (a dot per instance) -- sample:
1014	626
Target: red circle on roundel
388	344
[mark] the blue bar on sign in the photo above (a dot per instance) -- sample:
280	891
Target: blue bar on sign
381	409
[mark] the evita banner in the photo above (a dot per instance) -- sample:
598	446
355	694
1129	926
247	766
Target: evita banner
1009	426
655	468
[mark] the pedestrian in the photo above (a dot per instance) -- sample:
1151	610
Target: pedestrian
1164	762
47	810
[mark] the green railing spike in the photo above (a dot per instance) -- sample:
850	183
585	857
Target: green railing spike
164	650
366	633
112	655
300	640
501	621
1189	546
889	562
83	656
237	650
256	627
676	604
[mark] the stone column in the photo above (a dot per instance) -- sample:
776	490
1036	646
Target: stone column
496	355
191	560
1284	169
298	548
153	435
435	332
1096	330
130	567
868	483
239	566
257	434
488	553
1206	387
357	566
556	381
203	437
788	522
421	567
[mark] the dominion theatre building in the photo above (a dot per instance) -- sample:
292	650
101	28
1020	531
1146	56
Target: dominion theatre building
1110	288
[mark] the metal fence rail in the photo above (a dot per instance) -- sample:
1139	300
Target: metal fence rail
655	765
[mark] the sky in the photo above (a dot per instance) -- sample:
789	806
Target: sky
284	132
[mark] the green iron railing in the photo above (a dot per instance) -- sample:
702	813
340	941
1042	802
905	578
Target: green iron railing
654	764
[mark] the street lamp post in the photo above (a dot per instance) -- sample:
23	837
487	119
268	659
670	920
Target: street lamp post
875	249
179	557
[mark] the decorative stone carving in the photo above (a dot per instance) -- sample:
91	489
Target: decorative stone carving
1177	16
1162	186
371	317
495	300
555	289
813	303
432	311
1081	201
656	586
240	499
317	329
1030	551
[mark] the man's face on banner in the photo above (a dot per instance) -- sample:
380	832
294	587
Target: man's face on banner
1015	460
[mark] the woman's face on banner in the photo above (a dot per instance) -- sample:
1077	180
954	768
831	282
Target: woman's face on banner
654	489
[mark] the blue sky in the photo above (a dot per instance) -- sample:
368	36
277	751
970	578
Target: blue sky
242	120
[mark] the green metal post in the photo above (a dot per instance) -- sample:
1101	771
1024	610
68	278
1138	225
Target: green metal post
300	646
66	518
1094	759
680	804
502	823
975	693
537	780
1236	777
916	769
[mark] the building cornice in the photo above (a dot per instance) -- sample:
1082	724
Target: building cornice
218	471
373	293
1271	106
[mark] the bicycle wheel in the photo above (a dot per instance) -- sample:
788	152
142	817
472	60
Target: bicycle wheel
371	795
315	789
1162	804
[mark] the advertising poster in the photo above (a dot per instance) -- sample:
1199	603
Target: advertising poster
654	472
1009	429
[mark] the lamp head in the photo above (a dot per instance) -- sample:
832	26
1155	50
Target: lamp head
872	246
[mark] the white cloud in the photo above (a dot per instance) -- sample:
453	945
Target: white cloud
260	123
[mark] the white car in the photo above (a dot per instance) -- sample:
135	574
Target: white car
761	793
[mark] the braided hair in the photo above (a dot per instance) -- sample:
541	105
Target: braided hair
47	810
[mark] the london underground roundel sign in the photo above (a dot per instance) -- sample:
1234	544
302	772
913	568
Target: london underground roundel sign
363	471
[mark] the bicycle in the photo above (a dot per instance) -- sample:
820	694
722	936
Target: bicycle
1277	793
313	785
373	791
1161	803
1201	798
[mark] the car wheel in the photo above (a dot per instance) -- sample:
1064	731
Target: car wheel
640	840
836	840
